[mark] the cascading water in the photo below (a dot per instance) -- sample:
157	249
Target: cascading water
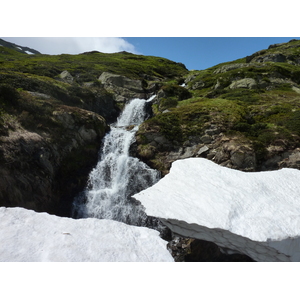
117	176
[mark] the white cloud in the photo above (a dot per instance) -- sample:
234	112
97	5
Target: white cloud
73	45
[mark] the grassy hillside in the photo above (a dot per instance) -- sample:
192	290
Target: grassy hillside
39	73
255	99
89	65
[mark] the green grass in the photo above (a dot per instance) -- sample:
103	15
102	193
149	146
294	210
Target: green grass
89	66
190	116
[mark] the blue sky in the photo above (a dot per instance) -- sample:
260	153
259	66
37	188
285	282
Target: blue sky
213	31
196	53
203	52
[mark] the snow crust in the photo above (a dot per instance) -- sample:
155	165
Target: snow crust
28	236
254	213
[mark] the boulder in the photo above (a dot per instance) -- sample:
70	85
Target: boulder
254	213
248	83
292	159
121	81
66	77
230	67
276	57
124	87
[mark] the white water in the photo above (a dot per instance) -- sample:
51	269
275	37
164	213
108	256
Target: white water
117	176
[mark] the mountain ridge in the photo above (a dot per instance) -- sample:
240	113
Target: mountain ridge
18	48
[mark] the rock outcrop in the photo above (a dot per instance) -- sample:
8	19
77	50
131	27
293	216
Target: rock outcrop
44	170
124	88
256	214
65	76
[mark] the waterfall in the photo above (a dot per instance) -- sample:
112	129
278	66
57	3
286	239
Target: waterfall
118	176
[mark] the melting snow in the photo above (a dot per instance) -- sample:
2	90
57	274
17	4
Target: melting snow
254	213
28	236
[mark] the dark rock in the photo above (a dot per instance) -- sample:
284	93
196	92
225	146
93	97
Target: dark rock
206	139
185	249
292	160
204	251
43	174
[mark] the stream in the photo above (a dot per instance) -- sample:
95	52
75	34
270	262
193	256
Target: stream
117	175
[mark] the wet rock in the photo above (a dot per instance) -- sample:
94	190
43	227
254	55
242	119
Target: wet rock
204	251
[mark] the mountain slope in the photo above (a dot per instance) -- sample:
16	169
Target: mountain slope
21	49
243	114
54	111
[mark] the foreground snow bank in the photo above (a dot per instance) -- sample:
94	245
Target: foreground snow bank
257	214
29	236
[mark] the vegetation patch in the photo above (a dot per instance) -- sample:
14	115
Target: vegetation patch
168	124
89	66
174	90
244	95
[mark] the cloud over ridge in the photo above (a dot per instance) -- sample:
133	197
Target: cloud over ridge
74	45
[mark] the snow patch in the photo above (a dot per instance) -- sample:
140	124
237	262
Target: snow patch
249	212
28	236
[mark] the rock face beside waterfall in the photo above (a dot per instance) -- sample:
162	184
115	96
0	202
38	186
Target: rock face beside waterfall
44	170
27	236
124	88
256	214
